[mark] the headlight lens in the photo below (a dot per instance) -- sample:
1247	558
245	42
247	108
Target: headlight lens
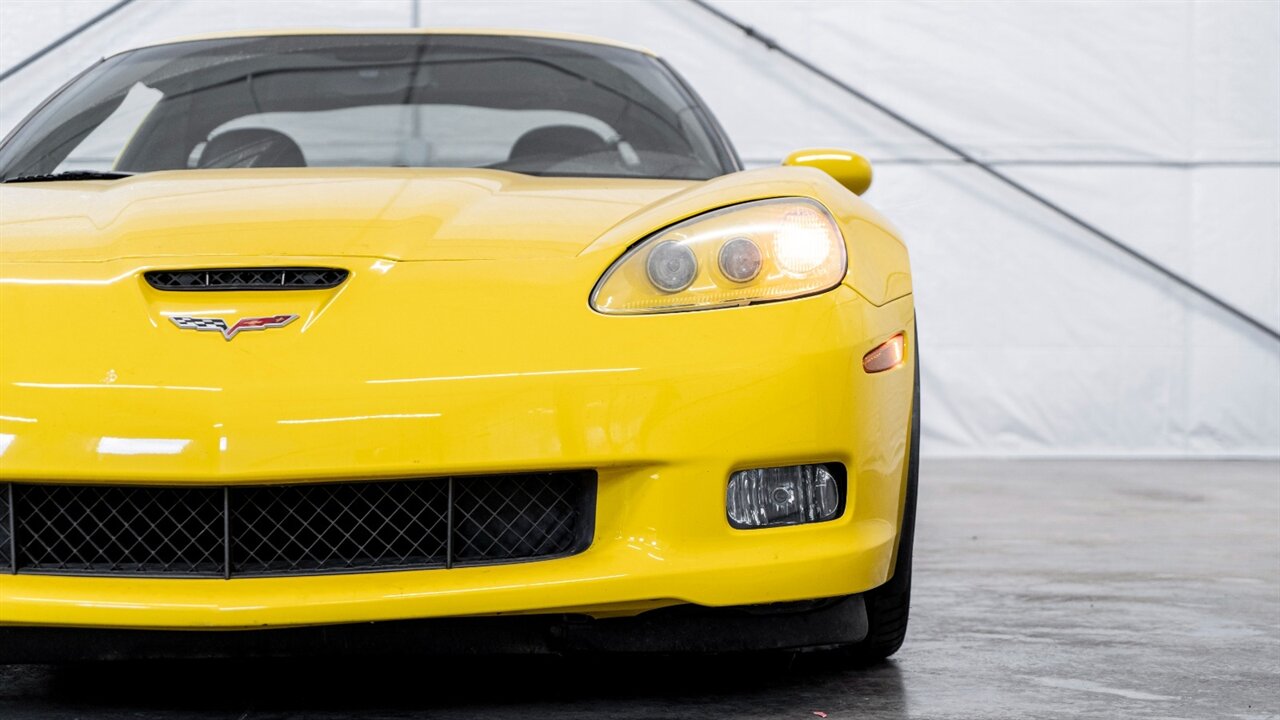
740	259
671	266
753	252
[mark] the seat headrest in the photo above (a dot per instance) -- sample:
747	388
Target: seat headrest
557	141
249	148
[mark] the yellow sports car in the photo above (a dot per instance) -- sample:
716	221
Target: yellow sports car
436	343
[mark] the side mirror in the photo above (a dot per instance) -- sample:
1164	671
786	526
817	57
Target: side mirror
848	168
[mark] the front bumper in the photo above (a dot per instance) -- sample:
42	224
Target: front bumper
769	385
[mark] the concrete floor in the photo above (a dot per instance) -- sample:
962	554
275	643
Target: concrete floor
1043	589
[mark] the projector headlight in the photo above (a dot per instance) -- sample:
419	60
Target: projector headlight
754	252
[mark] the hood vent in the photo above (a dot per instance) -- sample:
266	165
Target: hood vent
267	278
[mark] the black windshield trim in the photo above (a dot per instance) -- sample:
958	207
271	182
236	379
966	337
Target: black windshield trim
70	176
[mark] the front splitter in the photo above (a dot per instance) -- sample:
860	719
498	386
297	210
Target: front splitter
678	629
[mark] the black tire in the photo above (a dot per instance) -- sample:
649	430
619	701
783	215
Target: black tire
889	606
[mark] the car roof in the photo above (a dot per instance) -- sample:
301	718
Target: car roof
409	31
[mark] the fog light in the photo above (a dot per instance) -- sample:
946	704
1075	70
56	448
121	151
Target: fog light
784	496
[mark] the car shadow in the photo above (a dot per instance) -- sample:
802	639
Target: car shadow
764	686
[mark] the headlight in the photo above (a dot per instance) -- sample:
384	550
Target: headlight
753	252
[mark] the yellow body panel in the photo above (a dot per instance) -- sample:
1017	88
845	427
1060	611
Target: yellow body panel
462	343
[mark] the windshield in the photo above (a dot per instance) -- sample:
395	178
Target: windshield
528	105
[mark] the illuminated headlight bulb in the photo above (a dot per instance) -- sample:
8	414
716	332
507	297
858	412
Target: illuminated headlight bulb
802	242
671	266
740	260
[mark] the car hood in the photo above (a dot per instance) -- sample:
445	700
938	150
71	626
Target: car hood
395	214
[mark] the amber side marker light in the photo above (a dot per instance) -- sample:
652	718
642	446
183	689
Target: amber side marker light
886	356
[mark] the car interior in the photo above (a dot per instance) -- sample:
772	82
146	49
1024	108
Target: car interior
268	148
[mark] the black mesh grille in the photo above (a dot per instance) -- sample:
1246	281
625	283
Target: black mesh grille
88	529
277	278
503	516
301	528
295	529
6	558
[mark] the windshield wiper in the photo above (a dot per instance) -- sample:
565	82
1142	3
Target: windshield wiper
70	175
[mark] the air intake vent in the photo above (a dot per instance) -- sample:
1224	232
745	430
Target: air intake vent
270	278
304	529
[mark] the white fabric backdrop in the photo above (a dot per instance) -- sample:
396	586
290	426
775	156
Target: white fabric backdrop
1159	122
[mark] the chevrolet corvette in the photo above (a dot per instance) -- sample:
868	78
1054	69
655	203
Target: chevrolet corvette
435	343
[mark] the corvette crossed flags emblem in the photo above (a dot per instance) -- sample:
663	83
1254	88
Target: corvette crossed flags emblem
229	331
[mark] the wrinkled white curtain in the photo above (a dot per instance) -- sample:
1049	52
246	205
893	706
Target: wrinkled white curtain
1159	122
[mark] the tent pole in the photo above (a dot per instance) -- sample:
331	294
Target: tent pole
62	40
